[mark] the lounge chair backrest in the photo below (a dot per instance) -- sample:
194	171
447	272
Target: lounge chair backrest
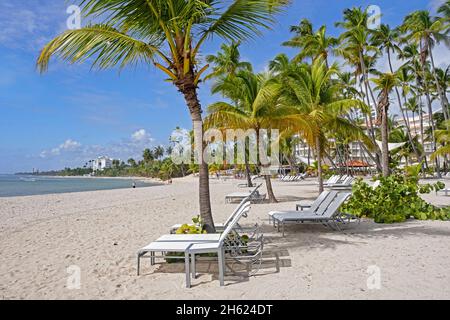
348	180
333	179
342	179
319	201
224	235
333	208
326	203
236	211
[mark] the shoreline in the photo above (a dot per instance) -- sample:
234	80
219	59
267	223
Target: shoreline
146	183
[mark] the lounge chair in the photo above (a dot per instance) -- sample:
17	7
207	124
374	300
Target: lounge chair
315	205
245	185
343	184
254	196
333	179
219	226
328	214
202	244
321	203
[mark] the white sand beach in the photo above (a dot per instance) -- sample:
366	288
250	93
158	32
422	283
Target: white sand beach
101	231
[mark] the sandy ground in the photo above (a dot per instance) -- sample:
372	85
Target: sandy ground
42	238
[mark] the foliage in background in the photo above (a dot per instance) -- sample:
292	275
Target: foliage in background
396	199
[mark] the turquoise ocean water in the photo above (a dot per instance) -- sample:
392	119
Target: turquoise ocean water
12	185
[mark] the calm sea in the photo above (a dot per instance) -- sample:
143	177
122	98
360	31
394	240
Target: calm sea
11	185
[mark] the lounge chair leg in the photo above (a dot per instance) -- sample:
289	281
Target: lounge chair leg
221	268
283	230
139	264
187	270
193	266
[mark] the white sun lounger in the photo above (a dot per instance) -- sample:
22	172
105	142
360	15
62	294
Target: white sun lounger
344	184
315	205
185	247
320	206
239	196
328	214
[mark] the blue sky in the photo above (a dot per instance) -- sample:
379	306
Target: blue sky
72	114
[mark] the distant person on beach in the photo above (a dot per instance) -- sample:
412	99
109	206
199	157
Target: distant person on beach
134	185
169	181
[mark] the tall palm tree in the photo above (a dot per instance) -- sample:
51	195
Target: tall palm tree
254	107
315	45
427	32
226	64
304	28
227	61
385	84
356	48
309	93
168	34
386	39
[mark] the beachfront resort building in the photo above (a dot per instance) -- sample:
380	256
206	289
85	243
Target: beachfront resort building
102	163
357	152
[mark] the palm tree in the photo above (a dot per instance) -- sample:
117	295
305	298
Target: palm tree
158	152
304	28
385	84
315	45
148	156
227	61
254	107
132	162
226	64
427	31
310	94
356	48
168	34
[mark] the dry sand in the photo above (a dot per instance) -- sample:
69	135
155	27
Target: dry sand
100	232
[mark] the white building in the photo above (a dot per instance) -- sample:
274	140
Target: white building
102	163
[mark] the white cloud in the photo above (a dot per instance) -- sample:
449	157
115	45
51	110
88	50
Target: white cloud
67	146
73	153
29	25
140	136
70	145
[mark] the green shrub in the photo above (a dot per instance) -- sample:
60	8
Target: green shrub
395	200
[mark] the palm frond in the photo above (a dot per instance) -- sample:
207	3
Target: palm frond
107	45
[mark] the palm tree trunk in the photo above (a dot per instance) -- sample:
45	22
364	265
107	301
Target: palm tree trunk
385	141
319	164
187	87
272	198
400	104
247	171
422	133
372	130
430	112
